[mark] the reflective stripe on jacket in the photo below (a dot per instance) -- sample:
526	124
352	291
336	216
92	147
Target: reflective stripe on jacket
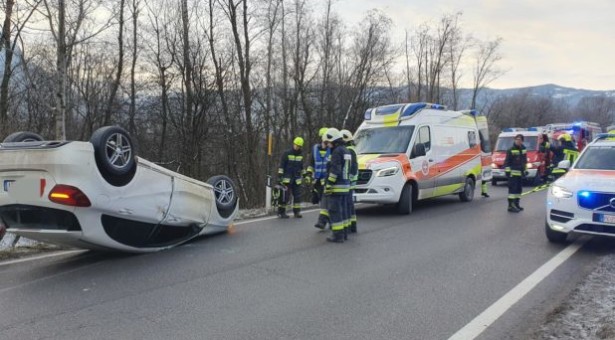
516	160
291	167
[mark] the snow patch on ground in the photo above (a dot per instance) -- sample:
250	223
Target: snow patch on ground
589	312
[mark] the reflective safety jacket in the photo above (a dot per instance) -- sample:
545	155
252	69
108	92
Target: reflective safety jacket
291	167
354	166
338	171
516	160
565	151
318	162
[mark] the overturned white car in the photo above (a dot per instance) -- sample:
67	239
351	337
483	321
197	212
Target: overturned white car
100	195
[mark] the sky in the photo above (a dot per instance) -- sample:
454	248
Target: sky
565	42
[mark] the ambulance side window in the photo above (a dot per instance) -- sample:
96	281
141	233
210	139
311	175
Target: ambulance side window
424	138
472	138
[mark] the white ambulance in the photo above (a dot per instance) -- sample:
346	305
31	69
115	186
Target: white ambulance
410	152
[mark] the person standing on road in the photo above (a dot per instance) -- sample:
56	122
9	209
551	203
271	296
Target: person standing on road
337	185
317	170
354	176
514	166
544	147
290	175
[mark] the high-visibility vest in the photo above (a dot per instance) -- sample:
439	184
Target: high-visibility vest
321	157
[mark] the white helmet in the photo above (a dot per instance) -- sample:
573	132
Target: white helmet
346	135
331	135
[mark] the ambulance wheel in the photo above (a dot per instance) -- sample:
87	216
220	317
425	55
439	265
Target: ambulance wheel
404	206
468	191
554	236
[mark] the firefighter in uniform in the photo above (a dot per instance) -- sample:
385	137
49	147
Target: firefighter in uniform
290	175
545	149
514	166
354	176
337	184
317	171
565	151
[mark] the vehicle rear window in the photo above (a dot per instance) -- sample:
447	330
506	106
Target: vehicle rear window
505	143
597	158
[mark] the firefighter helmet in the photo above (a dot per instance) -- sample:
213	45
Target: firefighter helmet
331	135
298	141
322	131
346	135
565	137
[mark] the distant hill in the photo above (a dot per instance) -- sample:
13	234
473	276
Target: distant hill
570	95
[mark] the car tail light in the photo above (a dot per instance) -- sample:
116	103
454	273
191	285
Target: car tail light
68	195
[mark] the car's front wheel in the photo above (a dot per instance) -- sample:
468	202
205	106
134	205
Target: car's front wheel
554	236
226	194
115	154
23	136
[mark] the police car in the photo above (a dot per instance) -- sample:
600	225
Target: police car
583	200
100	195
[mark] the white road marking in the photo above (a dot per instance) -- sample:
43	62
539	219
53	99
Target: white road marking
491	314
33	258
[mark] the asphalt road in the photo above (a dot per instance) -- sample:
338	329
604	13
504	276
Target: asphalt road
422	276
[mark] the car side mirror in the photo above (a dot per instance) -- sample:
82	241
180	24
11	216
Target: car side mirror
565	164
418	150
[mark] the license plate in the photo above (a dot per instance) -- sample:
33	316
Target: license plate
21	188
608	219
497	172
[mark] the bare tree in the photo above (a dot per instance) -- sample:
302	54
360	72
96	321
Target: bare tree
485	71
11	33
120	66
66	23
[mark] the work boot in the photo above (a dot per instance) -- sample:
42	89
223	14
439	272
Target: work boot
297	213
512	207
484	194
336	237
517	204
282	213
319	225
353	227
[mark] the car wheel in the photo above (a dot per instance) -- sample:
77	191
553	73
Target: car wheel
468	191
115	154
226	194
494	182
404	206
555	236
23	136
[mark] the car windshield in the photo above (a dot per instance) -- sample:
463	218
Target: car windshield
383	140
597	158
505	143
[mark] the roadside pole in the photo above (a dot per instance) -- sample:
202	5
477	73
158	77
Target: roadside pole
268	185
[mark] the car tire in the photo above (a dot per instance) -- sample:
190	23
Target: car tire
468	190
115	154
226	194
494	182
23	136
404	206
555	236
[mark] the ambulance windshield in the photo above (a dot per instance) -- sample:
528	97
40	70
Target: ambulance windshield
384	140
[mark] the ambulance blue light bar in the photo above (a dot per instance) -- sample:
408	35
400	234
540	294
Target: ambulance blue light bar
416	107
532	129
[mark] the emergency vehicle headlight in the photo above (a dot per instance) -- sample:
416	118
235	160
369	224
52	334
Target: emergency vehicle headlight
494	166
560	192
387	171
529	165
